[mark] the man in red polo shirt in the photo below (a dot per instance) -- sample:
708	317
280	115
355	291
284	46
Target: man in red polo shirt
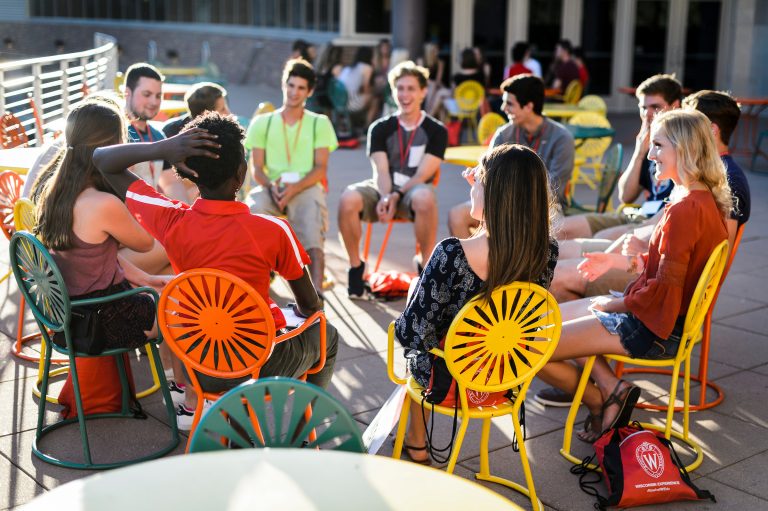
219	232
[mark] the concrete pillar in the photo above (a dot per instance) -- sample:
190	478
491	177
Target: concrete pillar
408	26
347	18
461	28
677	23
623	43
570	22
517	25
742	69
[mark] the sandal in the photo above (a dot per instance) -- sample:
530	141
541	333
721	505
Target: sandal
406	448
626	404
591	431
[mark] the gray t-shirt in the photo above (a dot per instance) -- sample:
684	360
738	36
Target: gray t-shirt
552	142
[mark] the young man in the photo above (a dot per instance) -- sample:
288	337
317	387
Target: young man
565	70
568	284
523	101
203	96
405	150
219	232
290	149
143	96
657	94
520	52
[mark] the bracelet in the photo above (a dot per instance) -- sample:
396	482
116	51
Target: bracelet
632	260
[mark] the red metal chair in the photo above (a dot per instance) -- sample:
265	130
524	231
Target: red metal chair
12	133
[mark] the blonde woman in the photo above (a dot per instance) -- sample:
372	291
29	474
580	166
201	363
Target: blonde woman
647	320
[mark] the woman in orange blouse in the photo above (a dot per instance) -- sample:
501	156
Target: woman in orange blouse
647	320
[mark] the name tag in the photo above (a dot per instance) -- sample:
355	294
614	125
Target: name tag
651	207
400	179
415	155
289	177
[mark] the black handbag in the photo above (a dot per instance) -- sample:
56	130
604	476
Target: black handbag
86	328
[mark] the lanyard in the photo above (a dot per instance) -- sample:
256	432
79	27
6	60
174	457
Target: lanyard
149	139
404	153
295	138
530	142
138	132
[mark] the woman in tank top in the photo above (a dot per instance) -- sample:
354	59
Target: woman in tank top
83	224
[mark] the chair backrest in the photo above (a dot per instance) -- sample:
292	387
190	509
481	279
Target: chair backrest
611	170
593	103
12	133
572	92
704	294
338	94
487	126
10	191
469	95
268	413
592	147
40	281
501	344
24	215
216	323
264	107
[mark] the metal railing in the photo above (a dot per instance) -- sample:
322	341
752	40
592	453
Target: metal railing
42	90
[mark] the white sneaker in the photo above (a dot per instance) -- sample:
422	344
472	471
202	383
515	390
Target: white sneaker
177	392
185	416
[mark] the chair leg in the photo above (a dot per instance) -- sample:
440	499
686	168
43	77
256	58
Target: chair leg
156	385
571	419
485	466
383	246
457	445
401	427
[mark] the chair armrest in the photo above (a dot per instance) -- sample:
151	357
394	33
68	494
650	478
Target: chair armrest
319	315
391	356
120	296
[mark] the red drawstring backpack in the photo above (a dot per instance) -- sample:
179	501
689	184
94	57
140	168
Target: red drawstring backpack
390	285
640	467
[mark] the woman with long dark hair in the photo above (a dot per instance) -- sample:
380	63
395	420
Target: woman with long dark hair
510	196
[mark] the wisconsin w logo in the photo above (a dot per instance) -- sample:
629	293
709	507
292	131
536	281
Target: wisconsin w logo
650	459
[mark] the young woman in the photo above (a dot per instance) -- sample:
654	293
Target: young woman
647	320
510	196
83	223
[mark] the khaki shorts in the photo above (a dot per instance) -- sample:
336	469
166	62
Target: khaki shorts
613	280
307	213
371	196
599	221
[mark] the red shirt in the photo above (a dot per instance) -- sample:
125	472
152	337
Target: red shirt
517	69
680	246
222	235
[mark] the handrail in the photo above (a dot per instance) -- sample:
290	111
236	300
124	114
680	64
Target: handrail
42	90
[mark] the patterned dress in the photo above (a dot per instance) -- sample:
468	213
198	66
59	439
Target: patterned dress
445	286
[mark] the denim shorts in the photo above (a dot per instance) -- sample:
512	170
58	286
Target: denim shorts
638	341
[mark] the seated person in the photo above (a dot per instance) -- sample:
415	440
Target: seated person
657	94
290	149
523	101
723	113
521	51
219	232
405	150
201	97
357	80
564	69
510	197
647	321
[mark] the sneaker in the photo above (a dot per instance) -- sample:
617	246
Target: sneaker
356	285
177	392
184	417
554	397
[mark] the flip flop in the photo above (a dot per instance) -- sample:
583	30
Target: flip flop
626	405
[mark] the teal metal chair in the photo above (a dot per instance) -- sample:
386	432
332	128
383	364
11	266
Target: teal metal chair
609	176
43	288
277	412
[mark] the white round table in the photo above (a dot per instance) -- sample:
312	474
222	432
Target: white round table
255	479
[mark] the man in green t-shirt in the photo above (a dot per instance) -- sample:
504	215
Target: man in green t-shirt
290	149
